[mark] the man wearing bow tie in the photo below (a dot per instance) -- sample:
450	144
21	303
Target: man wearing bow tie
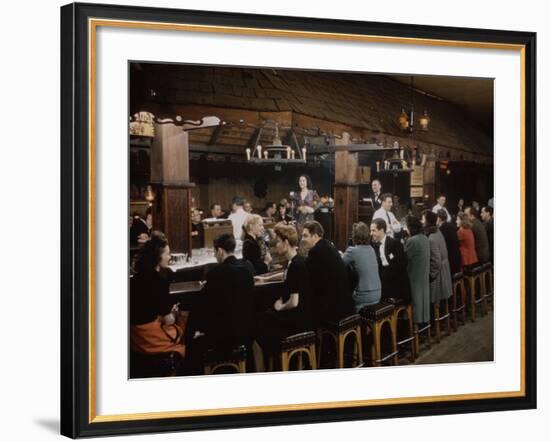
393	226
392	262
376	194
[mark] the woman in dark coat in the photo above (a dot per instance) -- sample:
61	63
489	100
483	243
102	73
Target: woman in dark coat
441	285
417	249
254	248
291	313
156	325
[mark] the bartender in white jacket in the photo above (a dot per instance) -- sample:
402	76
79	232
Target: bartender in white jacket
385	213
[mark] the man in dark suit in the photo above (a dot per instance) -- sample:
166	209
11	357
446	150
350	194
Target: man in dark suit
480	235
224	317
448	230
376	194
488	220
331	296
392	262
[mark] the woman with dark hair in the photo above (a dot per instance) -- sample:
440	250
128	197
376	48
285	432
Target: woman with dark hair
466	241
156	325
307	200
254	247
361	259
417	249
291	313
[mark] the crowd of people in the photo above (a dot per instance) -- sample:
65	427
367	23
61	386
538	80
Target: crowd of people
413	259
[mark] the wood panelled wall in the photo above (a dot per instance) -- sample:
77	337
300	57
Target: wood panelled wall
219	182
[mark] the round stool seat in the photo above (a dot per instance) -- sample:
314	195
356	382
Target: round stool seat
343	324
216	356
303	339
378	311
458	276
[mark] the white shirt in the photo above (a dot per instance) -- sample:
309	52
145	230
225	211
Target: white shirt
385	262
392	225
437	207
237	219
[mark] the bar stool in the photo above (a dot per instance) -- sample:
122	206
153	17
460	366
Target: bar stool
375	317
457	301
487	276
339	331
234	359
402	308
475	290
438	317
298	344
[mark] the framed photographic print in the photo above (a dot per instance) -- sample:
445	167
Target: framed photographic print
274	220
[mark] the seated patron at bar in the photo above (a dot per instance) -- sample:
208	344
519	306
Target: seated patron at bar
361	260
393	226
480	235
417	249
282	215
291	313
254	248
140	229
197	229
448	230
156	324
237	216
466	241
331	297
247	206
392	262
216	211
441	285
224	317
270	210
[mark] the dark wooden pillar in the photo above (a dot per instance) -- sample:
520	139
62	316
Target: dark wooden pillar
170	177
346	195
346	207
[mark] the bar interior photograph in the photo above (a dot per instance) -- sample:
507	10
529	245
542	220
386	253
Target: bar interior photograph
284	220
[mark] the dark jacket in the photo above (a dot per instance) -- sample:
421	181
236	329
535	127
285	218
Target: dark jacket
448	231
330	293
482	242
252	252
490	229
225	314
395	282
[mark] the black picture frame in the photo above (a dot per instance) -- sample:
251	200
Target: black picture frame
76	417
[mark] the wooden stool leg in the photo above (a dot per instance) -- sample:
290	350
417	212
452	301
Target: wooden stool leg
359	344
430	338
448	320
417	338
377	344
394	346
300	361
411	331
472	298
436	321
312	358
284	361
340	343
